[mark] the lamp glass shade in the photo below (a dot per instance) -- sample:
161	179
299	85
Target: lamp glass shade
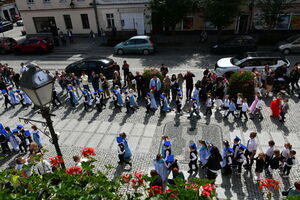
40	96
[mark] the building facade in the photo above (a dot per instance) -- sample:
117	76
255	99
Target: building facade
41	16
8	10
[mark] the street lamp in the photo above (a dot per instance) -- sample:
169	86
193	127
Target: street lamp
38	85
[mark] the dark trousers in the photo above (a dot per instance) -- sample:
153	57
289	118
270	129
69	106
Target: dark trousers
140	92
243	113
122	160
211	175
248	154
282	114
232	113
99	107
208	110
239	164
5	148
23	146
178	108
286	170
86	106
191	163
189	90
8	102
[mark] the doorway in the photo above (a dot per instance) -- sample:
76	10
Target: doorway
241	25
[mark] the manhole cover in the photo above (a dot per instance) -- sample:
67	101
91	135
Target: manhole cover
183	134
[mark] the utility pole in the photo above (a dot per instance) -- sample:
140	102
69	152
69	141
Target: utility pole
96	15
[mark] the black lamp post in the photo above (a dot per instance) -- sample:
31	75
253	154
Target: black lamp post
38	85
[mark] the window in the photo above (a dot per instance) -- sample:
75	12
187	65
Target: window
141	41
270	61
85	21
68	21
130	42
30	1
47	1
110	20
44	24
250	63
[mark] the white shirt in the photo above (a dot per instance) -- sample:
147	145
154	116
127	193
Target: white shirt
270	151
239	101
196	93
209	102
84	79
23	69
285	152
226	102
252	145
245	107
259	104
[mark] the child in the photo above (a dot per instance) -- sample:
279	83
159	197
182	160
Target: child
258	108
20	97
231	109
54	99
240	158
227	161
166	149
284	109
22	140
195	108
179	102
153	105
164	103
72	96
102	97
269	152
26	133
274	162
77	160
27	100
115	98
119	96
209	104
148	103
121	151
226	104
6	99
193	158
244	109
289	163
127	102
203	153
239	102
87	99
13	98
98	102
285	153
133	102
260	165
235	147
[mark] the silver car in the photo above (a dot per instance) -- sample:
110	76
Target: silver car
290	45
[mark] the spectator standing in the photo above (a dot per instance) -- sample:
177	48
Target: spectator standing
213	163
251	150
23	68
139	79
188	77
155	86
125	68
284	109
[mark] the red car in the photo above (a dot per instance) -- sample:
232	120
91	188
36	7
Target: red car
34	45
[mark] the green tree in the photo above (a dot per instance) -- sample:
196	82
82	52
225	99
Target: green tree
273	11
169	13
221	13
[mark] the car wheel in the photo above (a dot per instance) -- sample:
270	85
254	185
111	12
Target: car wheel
146	52
228	75
286	51
2	51
120	52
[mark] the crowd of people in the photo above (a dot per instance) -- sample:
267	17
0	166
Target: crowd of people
165	93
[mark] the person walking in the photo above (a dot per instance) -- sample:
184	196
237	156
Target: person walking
125	68
121	151
161	168
231	109
209	104
13	140
213	163
260	165
193	158
290	162
251	150
36	136
195	108
85	81
155	86
284	109
244	109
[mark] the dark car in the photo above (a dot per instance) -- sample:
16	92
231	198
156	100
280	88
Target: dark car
7	44
20	22
92	64
34	45
6	25
236	44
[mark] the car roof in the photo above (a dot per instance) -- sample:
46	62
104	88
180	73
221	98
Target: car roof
96	58
140	37
263	55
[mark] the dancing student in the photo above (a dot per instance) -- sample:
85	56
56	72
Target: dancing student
193	158
289	163
260	165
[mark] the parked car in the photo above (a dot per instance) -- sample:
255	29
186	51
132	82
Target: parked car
20	22
7	44
136	44
248	61
290	45
6	25
34	45
236	44
92	64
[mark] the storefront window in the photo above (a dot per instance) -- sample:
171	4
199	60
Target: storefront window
295	21
43	24
284	22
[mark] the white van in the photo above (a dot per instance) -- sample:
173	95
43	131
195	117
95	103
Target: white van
290	45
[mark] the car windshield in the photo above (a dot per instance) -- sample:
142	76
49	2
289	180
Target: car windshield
292	39
104	61
237	60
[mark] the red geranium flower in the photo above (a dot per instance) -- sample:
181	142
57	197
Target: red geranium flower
86	152
126	178
74	170
138	175
205	193
56	161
